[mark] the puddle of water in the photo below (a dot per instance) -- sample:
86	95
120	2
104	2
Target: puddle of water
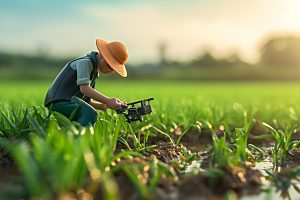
266	164
273	194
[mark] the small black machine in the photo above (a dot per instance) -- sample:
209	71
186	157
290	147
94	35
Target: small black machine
135	113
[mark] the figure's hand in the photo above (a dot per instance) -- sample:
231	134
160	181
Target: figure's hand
123	102
113	103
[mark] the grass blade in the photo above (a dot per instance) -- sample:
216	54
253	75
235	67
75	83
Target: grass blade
40	131
74	111
135	140
256	149
23	122
182	134
167	135
263	136
249	129
149	148
290	137
273	131
124	142
13	127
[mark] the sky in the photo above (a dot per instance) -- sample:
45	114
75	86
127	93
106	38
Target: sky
64	28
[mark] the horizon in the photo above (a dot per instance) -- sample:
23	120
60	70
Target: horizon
188	28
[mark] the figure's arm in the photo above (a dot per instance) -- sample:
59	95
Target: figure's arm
98	106
112	103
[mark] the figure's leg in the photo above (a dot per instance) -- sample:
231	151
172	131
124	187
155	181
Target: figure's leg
85	114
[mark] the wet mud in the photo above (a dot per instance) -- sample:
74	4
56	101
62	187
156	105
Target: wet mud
243	179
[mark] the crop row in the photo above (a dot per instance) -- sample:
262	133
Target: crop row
57	156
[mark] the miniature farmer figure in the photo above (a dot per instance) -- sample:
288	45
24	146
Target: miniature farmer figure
76	82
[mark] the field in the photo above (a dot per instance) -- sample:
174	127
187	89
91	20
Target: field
259	120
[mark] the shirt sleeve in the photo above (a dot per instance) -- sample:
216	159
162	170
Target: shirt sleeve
84	68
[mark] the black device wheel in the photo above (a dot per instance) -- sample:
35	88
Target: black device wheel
141	118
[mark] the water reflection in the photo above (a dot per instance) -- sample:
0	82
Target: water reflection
273	193
270	190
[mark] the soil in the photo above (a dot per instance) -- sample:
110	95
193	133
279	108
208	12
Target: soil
6	158
9	179
293	158
243	179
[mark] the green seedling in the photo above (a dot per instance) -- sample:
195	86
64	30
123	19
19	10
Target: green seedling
184	161
165	134
282	143
223	155
241	151
18	126
232	135
257	149
196	124
60	161
138	144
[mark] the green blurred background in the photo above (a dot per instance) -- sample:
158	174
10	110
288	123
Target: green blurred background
191	40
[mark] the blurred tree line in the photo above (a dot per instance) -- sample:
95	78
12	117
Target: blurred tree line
276	52
279	61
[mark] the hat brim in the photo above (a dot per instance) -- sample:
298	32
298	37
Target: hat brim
115	65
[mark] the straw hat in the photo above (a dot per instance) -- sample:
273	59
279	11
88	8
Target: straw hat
115	54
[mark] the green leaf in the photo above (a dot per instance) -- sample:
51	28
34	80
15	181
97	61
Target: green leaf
30	170
263	136
13	127
74	111
5	143
171	139
65	121
137	143
23	122
149	148
40	131
273	131
146	138
275	179
50	110
154	181
124	142
38	116
256	149
208	125
295	172
191	157
125	154
227	129
6	133
248	130
16	117
182	134
290	137
232	146
240	133
296	146
184	151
